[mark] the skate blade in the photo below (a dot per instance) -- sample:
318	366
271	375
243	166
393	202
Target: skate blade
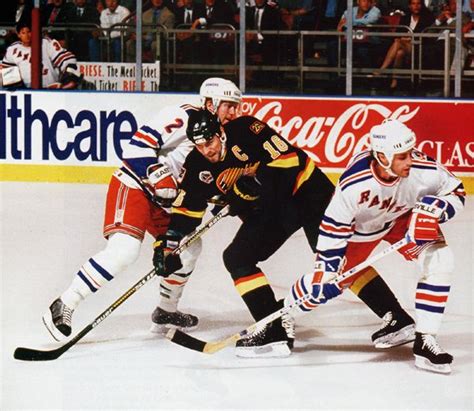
403	336
278	349
48	323
425	364
164	328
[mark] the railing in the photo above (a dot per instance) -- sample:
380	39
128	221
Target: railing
290	48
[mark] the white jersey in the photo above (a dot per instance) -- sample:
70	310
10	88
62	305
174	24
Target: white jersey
55	59
364	208
162	141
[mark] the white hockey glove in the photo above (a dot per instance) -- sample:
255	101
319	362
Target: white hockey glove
423	225
162	184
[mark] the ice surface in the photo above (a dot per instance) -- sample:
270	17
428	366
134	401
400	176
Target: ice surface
49	230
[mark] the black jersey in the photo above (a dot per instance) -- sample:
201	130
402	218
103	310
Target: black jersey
252	148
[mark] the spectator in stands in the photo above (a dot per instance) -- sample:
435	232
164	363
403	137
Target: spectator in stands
328	14
388	7
216	13
190	13
436	6
418	18
363	14
83	13
263	48
23	9
175	5
157	15
219	47
433	50
188	17
304	15
468	8
56	13
114	13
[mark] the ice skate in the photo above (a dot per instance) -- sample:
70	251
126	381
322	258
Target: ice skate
430	356
163	320
396	330
288	323
57	320
270	342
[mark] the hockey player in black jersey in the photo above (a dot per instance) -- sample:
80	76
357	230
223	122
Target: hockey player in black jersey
274	187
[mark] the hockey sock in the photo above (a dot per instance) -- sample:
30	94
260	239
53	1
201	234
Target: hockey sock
171	289
375	293
430	304
121	251
257	294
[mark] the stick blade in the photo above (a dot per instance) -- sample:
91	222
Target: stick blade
185	340
30	354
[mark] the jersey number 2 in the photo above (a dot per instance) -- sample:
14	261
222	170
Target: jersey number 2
177	124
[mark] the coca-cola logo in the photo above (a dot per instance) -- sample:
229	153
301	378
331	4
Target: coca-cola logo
337	137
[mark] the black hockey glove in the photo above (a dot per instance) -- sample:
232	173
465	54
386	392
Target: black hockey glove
166	263
242	197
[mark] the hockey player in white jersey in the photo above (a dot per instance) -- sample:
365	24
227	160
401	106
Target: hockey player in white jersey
383	193
139	198
59	68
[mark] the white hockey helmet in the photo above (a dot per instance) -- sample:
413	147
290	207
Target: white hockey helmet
390	138
219	89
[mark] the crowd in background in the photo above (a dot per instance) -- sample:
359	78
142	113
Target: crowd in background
77	25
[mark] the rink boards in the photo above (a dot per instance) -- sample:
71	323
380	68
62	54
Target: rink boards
78	137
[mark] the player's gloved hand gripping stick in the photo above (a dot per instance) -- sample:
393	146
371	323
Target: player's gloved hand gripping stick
31	354
211	347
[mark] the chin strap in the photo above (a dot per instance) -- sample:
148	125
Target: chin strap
387	168
223	139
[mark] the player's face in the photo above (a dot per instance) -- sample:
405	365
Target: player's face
211	149
227	111
401	164
25	36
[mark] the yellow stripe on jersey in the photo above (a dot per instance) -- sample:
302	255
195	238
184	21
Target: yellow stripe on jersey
304	174
285	161
250	283
188	213
368	275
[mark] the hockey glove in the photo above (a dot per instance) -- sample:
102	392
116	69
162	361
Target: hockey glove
71	78
243	195
164	262
162	184
319	285
423	226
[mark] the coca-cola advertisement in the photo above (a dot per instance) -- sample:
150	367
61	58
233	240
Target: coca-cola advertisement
332	130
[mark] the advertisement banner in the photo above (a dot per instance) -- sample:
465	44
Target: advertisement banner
120	76
332	130
90	129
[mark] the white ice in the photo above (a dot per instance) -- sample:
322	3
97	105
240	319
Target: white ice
49	230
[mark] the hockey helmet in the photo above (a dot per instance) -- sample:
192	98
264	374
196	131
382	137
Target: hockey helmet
219	89
202	126
390	138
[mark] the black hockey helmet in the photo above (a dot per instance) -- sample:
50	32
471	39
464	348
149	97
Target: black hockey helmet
202	126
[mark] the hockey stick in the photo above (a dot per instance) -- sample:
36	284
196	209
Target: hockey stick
211	347
31	354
